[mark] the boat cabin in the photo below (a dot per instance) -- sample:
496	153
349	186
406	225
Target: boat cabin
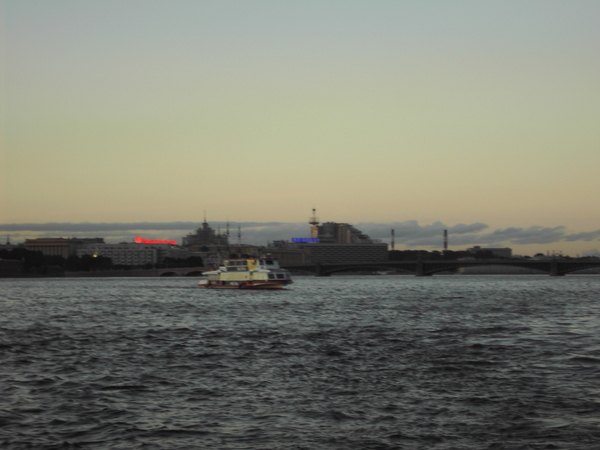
245	265
268	263
237	265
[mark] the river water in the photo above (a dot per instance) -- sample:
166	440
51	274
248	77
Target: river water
366	362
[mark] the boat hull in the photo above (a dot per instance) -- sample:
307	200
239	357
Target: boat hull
269	285
255	274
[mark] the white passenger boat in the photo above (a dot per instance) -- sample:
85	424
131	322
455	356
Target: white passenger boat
261	273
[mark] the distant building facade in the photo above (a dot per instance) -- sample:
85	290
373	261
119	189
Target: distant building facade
334	243
205	236
286	253
290	253
123	254
341	233
64	247
128	254
347	253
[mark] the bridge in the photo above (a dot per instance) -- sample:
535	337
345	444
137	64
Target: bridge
164	272
419	268
554	267
181	271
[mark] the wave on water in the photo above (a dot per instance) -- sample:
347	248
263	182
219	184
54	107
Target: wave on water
386	362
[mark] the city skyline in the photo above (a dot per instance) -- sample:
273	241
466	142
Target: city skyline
419	114
409	235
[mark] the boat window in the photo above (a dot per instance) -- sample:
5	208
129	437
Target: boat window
271	276
269	262
280	276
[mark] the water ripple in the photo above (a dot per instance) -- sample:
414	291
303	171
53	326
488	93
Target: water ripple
453	362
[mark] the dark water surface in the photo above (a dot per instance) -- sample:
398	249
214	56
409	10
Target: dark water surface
380	362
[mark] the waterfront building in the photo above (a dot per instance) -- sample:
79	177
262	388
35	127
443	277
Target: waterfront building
304	253
128	254
123	254
286	253
330	242
341	233
64	247
347	253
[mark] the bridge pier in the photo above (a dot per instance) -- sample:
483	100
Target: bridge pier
420	272
554	272
319	271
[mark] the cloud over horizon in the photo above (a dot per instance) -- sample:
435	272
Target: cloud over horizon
409	233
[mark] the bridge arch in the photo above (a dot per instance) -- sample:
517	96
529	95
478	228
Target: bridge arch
169	274
193	273
359	267
430	267
566	268
499	269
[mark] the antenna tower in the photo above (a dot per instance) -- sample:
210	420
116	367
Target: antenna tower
227	236
314	224
240	238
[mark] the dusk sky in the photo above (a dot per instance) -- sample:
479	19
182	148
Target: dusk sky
482	117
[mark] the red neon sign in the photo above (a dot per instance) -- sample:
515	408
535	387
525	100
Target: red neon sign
141	240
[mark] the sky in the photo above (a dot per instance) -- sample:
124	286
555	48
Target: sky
477	117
